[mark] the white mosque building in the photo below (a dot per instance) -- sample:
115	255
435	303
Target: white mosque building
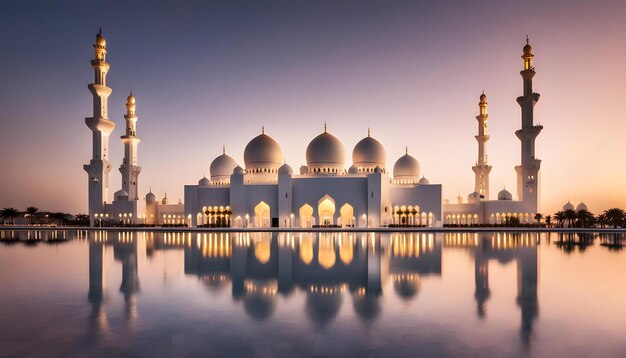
265	191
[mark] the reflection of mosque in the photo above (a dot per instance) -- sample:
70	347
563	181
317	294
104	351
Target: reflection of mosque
324	266
504	248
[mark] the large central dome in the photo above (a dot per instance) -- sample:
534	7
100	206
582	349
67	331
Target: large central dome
369	154
325	154
263	154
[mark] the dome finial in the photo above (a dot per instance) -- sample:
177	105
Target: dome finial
100	31
150	188
324	127
262	129
223	149
406	150
369	132
527	41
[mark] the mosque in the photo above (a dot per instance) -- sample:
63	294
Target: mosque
325	192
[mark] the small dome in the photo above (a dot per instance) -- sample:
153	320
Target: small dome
505	195
325	152
483	98
150	197
304	170
130	99
424	181
568	206
222	167
407	168
581	207
120	195
100	41
238	170
353	170
262	152
528	50
285	169
369	153
204	182
165	200
377	169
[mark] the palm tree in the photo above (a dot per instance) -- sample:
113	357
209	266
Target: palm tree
559	216
601	220
585	218
538	217
570	216
548	220
615	217
31	211
9	214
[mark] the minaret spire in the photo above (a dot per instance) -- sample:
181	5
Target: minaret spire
528	170
101	127
129	168
482	169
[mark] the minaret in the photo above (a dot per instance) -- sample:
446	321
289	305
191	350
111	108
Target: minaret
99	167
528	171
129	169
482	169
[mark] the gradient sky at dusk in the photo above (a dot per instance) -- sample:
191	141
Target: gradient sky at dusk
210	73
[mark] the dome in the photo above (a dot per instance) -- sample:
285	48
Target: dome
150	196
325	152
353	170
120	195
369	153
204	182
222	167
238	170
304	170
483	97
164	201
568	206
263	152
100	41
378	169
528	49
505	195
424	181
285	169
130	99
581	207
406	168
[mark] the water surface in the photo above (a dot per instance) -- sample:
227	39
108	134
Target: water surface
327	294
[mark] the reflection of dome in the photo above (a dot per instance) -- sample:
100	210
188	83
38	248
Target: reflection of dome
369	153
406	285
222	167
424	181
258	305
581	207
366	306
323	307
120	195
325	154
261	154
204	182
568	206
285	169
406	169
505	195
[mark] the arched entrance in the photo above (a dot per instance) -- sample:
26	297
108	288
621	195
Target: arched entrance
262	215
326	211
306	216
347	215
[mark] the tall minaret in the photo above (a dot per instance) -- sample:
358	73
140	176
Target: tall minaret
99	167
129	169
528	171
482	169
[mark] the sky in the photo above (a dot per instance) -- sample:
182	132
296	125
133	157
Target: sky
211	73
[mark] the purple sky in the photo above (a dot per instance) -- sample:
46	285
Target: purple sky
210	73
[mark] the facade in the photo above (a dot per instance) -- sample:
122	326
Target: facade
266	192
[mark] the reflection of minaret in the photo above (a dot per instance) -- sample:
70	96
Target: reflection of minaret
126	252
97	281
238	263
374	274
481	277
527	273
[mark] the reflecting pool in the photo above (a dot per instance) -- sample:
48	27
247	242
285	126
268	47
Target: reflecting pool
79	293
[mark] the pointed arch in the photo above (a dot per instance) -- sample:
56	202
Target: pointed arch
346	213
326	211
306	216
262	214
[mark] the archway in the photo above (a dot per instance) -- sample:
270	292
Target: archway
326	211
306	216
347	215
262	215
